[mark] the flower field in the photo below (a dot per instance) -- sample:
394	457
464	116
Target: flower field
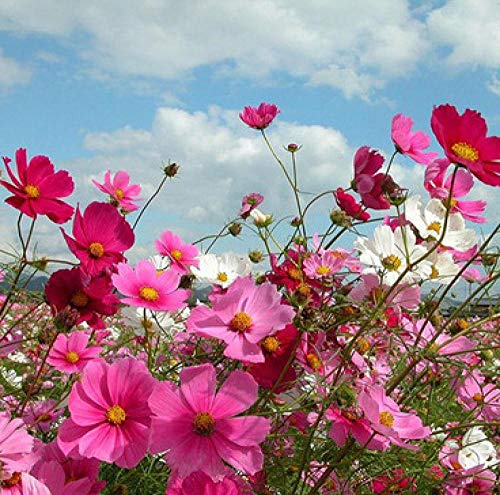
314	365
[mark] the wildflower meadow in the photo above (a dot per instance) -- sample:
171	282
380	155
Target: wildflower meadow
325	362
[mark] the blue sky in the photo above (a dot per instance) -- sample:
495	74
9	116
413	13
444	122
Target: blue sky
126	85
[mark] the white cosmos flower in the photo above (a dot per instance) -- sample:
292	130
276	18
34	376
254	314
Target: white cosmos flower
476	450
165	322
443	268
222	270
389	254
430	224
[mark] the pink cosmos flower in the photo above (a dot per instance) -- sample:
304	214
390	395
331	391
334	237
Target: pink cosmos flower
394	482
122	193
24	484
463	138
146	288
182	256
386	418
411	143
101	235
242	317
249	202
202	484
92	297
110	416
349	205
70	353
259	117
322	265
38	188
196	424
483	398
15	447
367	182
42	415
439	187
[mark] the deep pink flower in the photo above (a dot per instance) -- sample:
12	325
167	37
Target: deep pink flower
242	317
91	297
349	205
394	482
24	484
439	187
201	484
182	255
463	138
249	202
110	416
70	353
259	117
386	418
411	143
367	182
37	188
42	415
196	424
101	235
122	193
15	447
146	288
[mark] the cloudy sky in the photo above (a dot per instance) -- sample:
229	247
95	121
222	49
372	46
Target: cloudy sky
110	84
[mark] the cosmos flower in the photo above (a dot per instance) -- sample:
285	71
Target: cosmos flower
122	193
182	255
259	117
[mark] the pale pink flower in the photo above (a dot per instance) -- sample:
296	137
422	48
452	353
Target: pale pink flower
438	186
259	117
483	398
146	287
182	255
24	484
322	265
249	203
411	143
196	424
388	420
70	353
122	193
110	416
242	317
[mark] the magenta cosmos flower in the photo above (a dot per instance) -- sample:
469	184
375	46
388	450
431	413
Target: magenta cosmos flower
37	188
182	256
259	117
463	138
196	424
70	353
110	416
349	205
411	143
91	297
121	192
100	236
200	483
249	203
242	317
145	287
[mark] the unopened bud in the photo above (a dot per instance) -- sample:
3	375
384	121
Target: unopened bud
300	240
235	229
293	148
296	222
261	219
171	169
488	259
255	256
40	264
341	218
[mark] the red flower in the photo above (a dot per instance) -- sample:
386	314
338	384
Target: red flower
91	297
38	187
259	117
463	138
349	204
101	236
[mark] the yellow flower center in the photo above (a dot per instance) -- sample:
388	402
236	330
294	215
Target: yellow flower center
477	397
270	344
119	194
313	361
391	263
43	417
116	415
322	270
96	249
453	202
363	346
240	322
32	191
222	276
386	419
204	423
72	357
434	272
14	480
176	254
149	294
79	299
350	415
465	151
294	273
435	227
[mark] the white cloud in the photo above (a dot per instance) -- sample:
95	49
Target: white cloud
471	30
494	84
12	72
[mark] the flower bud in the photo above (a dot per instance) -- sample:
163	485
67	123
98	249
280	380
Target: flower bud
293	148
255	256
340	218
296	222
261	219
235	229
300	240
171	169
